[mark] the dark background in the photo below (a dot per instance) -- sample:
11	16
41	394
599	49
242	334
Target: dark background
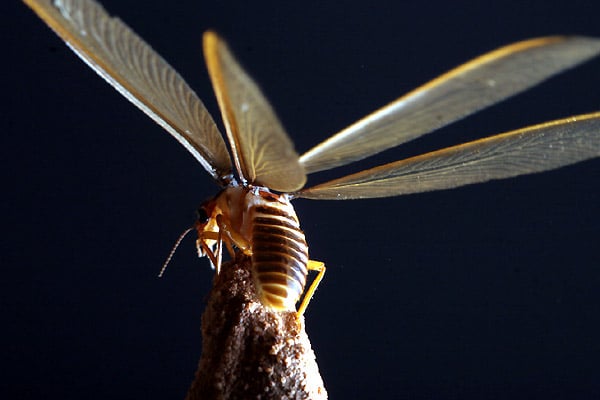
490	291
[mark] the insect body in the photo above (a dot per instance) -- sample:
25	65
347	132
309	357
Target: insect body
264	225
247	215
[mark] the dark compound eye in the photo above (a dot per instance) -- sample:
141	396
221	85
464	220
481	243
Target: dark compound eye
202	215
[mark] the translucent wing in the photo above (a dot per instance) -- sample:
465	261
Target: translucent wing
525	151
464	90
125	61
263	153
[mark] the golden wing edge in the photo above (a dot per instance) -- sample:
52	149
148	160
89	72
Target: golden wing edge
210	44
333	151
578	139
217	164
250	149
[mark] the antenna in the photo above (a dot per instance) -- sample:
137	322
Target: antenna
175	246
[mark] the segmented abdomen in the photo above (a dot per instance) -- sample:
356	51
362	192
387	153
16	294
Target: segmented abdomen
279	254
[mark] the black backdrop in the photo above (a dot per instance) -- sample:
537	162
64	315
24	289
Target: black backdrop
489	291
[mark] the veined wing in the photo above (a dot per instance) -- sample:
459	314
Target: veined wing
262	151
524	151
462	91
129	64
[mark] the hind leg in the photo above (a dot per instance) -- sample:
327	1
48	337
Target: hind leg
312	266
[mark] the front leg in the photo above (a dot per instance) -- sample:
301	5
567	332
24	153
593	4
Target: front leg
204	248
208	239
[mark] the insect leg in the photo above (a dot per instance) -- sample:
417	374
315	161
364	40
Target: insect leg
312	266
231	236
205	249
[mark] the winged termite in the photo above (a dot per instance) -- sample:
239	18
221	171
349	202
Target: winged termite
247	215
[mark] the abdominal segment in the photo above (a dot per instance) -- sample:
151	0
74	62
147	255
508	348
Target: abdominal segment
279	255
